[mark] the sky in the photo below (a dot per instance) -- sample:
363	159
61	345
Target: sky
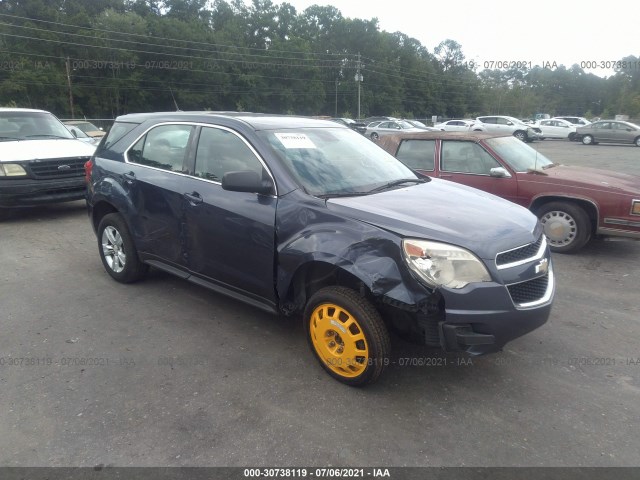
537	32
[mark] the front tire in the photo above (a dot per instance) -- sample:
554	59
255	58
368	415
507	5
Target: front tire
520	135
374	136
637	142
117	251
566	225
572	136
588	140
347	335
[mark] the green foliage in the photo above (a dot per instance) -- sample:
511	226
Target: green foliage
150	55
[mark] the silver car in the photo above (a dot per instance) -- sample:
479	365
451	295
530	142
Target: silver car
507	125
609	131
377	129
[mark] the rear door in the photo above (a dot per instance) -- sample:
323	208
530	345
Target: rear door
155	178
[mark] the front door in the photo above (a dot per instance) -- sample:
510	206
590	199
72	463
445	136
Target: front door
230	235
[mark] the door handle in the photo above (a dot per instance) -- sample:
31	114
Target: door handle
129	177
194	198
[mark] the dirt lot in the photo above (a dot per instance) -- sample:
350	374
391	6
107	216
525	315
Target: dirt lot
166	373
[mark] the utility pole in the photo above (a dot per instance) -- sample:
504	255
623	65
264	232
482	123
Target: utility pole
337	83
358	78
69	85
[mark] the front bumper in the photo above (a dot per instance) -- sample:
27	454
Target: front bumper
16	193
486	317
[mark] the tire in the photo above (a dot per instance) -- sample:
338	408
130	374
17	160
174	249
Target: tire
374	136
117	251
520	135
347	335
637	142
588	140
566	225
572	136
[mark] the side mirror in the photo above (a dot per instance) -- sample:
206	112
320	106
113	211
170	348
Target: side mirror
509	123
499	172
246	181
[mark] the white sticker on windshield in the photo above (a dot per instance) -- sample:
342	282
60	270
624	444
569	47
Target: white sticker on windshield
295	140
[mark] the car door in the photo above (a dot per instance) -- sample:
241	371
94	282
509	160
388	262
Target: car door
154	176
230	235
623	133
468	163
603	132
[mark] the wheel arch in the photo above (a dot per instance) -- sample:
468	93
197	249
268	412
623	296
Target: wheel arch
587	205
99	210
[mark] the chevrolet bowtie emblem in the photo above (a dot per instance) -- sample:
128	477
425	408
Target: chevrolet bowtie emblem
543	266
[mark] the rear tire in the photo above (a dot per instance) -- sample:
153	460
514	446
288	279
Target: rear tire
374	136
117	250
588	140
566	225
637	142
347	335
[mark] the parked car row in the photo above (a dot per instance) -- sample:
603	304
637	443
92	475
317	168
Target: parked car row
304	217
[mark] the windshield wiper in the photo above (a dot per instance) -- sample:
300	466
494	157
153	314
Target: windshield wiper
2	139
342	194
550	165
46	136
396	183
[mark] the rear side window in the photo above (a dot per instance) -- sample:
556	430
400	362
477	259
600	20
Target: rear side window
417	154
116	132
163	147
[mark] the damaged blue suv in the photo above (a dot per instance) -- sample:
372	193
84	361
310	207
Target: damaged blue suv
306	217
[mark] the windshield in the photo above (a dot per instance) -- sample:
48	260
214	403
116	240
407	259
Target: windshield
520	156
335	161
31	125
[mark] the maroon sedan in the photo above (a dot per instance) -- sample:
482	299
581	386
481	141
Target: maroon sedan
574	204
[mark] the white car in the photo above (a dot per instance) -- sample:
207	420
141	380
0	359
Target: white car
557	128
577	121
41	162
508	126
454	126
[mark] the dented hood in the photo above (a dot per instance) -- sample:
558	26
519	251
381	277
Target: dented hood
447	212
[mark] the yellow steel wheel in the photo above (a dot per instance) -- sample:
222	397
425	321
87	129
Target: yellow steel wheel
347	335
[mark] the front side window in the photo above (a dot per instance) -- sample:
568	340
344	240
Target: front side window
466	157
220	151
163	147
417	154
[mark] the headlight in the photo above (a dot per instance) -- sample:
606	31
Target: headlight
12	170
441	264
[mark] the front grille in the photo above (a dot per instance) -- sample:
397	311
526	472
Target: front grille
58	167
520	253
529	291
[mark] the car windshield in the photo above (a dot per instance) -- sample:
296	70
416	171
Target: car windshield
520	156
31	125
86	126
335	161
